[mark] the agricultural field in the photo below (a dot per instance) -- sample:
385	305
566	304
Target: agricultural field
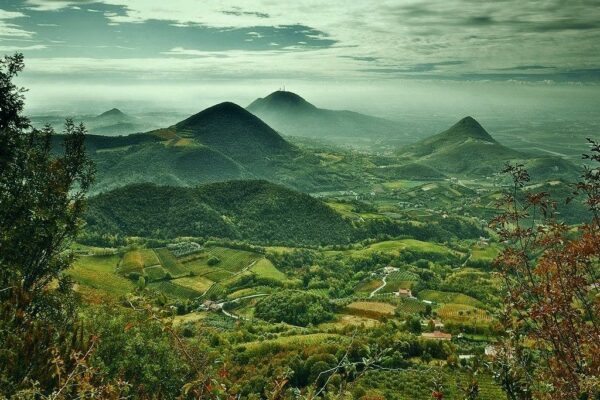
98	273
265	269
464	314
484	252
173	289
437	296
199	284
370	309
170	263
369	286
395	247
415	383
295	340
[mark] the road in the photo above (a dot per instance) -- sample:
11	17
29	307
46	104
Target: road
230	315
374	292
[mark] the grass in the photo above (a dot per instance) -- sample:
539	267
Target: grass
170	262
149	257
155	273
448	297
265	269
484	253
233	260
197	283
395	247
393	286
133	261
98	272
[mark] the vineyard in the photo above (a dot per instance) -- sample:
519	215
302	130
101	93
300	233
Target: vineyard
437	296
417	383
370	309
463	314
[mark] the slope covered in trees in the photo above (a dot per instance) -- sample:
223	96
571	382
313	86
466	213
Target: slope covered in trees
255	210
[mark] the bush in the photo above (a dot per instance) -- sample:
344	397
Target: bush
213	261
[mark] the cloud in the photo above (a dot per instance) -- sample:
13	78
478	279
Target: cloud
389	37
22	48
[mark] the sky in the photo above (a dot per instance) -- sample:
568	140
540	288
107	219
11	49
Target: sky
189	53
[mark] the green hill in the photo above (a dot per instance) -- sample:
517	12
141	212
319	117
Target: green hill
465	148
235	132
292	115
220	143
256	210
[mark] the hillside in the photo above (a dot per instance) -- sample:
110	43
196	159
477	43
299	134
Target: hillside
220	143
465	148
235	132
253	210
290	114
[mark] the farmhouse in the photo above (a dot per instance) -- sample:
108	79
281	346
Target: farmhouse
403	293
210	305
437	335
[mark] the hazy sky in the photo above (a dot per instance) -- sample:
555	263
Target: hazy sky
119	50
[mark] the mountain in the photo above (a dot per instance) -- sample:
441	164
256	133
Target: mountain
235	132
114	122
248	210
114	115
220	143
290	114
464	148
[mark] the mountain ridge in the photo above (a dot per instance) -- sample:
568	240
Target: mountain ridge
291	114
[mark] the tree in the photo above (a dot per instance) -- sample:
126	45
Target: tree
551	273
42	198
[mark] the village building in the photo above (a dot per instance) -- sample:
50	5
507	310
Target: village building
403	293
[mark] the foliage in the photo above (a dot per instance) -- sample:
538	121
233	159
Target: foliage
552	309
42	199
295	307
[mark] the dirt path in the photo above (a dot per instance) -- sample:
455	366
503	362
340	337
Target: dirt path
374	292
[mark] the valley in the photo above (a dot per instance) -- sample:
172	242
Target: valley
293	250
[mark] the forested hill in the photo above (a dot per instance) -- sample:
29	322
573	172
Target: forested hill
256	210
